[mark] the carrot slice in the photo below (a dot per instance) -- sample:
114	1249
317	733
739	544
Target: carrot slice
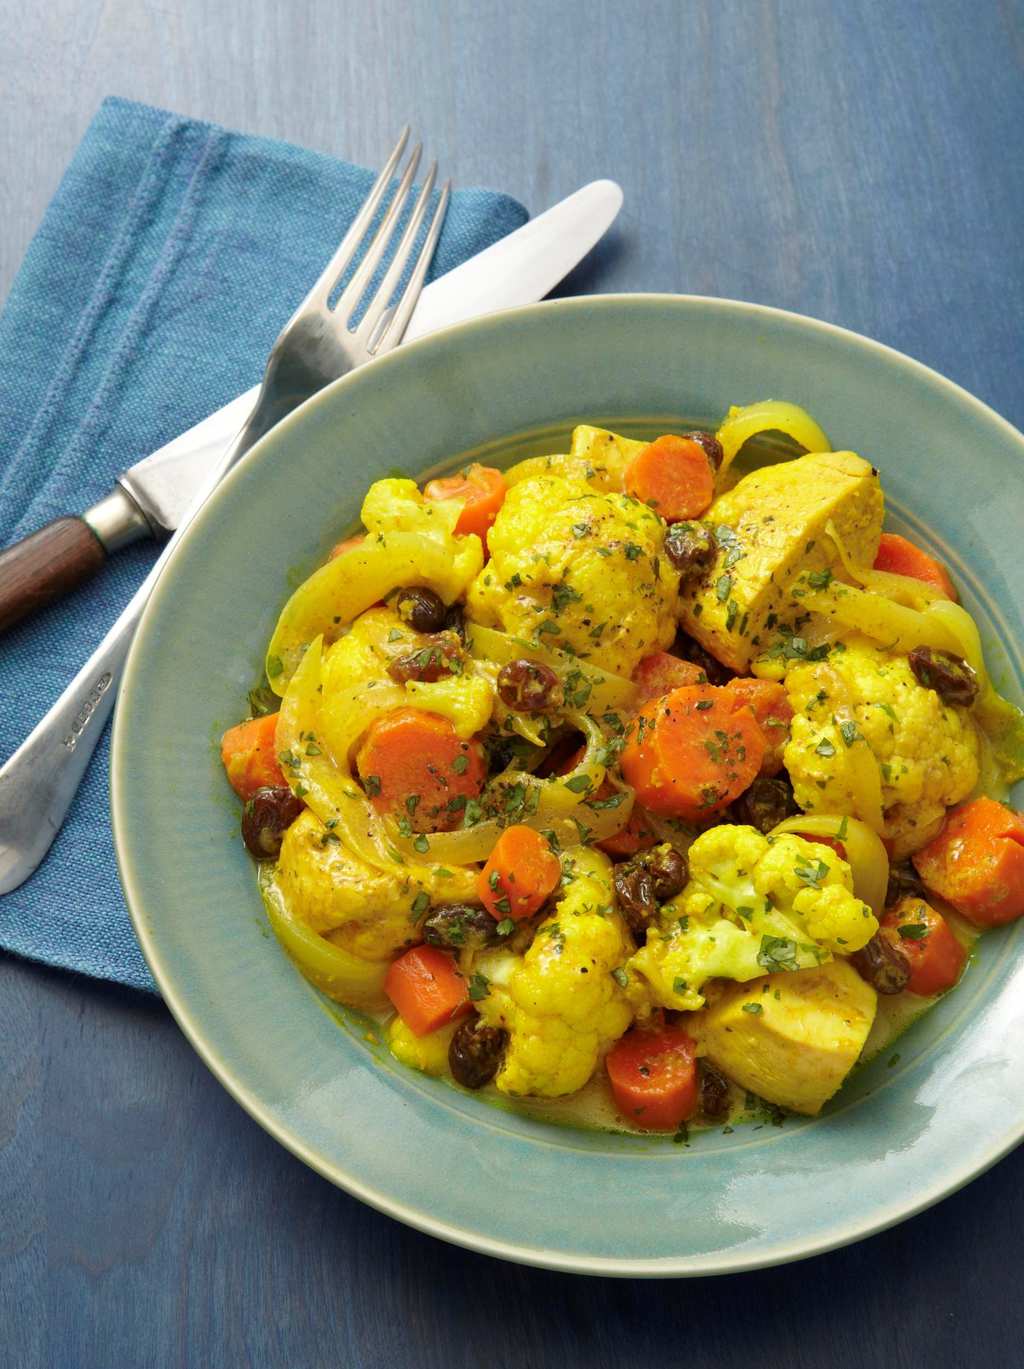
924	936
900	557
521	871
637	835
414	763
653	1075
674	476
426	989
690	753
976	862
482	487
346	545
769	703
661	672
249	756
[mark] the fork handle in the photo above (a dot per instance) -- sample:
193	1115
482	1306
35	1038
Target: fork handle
46	565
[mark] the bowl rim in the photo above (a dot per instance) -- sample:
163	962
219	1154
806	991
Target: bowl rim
422	1220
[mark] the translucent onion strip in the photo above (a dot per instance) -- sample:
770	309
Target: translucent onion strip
339	591
767	416
557	804
331	969
606	691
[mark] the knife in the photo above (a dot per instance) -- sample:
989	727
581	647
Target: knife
151	497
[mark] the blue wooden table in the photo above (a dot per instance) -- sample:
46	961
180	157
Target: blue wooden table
860	161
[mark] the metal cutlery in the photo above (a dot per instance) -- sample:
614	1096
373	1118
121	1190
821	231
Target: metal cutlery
316	346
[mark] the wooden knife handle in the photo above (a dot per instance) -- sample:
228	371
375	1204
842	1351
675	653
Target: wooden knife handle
45	565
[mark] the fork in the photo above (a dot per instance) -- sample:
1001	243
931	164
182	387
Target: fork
317	345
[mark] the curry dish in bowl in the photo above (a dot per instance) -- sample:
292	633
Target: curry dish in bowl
631	788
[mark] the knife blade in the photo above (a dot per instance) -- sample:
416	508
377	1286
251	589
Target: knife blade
151	497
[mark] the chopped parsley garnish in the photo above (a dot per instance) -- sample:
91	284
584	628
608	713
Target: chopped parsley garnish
505	927
850	732
632	551
913	931
274	667
371	783
460	765
825	748
819	579
754	1008
579	784
811	872
564	595
777	953
421	844
421	903
723	588
679	985
620	976
479	987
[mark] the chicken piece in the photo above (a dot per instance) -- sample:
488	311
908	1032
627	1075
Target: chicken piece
790	1038
770	530
370	912
578	570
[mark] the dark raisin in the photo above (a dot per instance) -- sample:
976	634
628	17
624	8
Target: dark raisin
266	818
709	442
689	650
904	882
455	621
527	686
767	802
475	1053
691	547
646	880
882	964
421	608
438	656
714	1092
949	675
458	925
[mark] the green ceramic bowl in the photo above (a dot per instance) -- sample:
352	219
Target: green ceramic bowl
900	1135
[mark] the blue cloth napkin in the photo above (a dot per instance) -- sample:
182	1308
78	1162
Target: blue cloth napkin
163	270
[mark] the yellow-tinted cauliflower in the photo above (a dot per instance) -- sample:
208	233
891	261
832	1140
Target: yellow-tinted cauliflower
577	569
863	708
559	1002
377	638
367	911
753	905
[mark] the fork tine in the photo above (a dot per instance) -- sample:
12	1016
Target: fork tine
375	250
391	334
346	249
396	267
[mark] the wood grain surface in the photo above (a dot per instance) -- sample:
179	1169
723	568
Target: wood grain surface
862	162
48	563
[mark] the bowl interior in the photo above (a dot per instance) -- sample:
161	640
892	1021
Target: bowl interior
901	1133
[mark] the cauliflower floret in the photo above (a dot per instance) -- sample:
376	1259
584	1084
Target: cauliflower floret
559	1002
753	905
926	751
367	911
580	570
377	638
